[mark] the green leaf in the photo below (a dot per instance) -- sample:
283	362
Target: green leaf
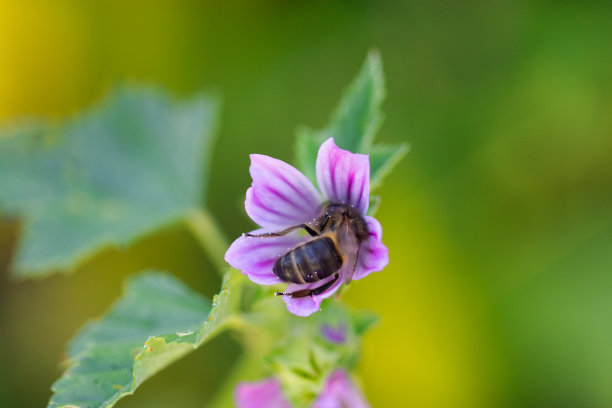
157	321
374	205
382	159
117	171
354	125
307	145
358	116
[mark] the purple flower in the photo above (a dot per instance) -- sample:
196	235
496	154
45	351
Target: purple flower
339	392
281	199
266	393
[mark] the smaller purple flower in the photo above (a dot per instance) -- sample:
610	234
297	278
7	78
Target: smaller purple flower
282	201
266	393
339	392
336	335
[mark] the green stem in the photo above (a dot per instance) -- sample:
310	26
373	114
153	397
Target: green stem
213	244
209	237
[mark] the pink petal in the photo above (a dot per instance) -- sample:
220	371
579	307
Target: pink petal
280	195
340	392
307	305
255	257
266	393
344	177
374	255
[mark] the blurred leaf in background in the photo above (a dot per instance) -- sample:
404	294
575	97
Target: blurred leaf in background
132	164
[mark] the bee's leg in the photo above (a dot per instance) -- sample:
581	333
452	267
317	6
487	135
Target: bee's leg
309	292
323	224
307	228
323	288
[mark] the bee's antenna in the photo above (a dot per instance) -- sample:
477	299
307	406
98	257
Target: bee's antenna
281	294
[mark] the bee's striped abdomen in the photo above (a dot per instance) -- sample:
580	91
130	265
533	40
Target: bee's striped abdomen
310	262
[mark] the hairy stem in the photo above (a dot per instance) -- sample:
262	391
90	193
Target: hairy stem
209	236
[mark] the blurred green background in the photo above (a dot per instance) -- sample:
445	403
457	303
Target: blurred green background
499	221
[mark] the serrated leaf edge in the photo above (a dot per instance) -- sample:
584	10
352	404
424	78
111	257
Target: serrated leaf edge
211	327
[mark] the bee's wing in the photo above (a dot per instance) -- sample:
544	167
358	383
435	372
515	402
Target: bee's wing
349	275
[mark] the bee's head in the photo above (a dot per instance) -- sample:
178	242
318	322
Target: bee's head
341	213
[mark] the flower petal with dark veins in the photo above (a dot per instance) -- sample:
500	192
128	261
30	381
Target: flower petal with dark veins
280	195
344	177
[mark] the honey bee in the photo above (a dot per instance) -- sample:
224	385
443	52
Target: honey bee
337	234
